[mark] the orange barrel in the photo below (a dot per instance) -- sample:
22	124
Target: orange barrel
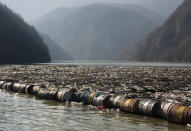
1	84
133	106
90	98
65	94
28	89
172	113
7	86
20	88
124	104
178	118
104	100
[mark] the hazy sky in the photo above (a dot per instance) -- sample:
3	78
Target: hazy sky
33	9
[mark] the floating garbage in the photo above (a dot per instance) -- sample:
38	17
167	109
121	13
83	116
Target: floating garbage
154	91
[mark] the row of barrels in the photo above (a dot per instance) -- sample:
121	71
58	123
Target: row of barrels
60	94
172	112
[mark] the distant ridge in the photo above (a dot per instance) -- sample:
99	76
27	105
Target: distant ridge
98	31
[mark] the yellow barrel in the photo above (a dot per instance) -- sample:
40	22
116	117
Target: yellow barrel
90	98
178	118
126	105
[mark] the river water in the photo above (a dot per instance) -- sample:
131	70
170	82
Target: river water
19	112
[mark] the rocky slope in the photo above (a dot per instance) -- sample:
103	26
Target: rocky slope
20	43
170	42
57	53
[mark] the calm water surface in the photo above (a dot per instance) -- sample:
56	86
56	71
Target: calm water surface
22	113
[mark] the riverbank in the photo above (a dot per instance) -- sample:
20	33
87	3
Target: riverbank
171	84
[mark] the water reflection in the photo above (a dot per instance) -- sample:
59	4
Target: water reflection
22	112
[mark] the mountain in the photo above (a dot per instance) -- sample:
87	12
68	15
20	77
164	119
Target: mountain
52	22
100	31
20	43
170	42
56	51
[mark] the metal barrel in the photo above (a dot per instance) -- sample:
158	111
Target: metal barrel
110	104
77	97
133	106
90	98
117	100
35	89
85	98
178	118
124	104
19	88
95	98
141	105
65	94
1	84
28	89
7	86
153	108
186	118
165	108
172	113
104	100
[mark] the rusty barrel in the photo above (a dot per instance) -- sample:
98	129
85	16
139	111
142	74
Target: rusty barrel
187	115
165	107
133	106
117	100
124	105
19	88
172	113
65	94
